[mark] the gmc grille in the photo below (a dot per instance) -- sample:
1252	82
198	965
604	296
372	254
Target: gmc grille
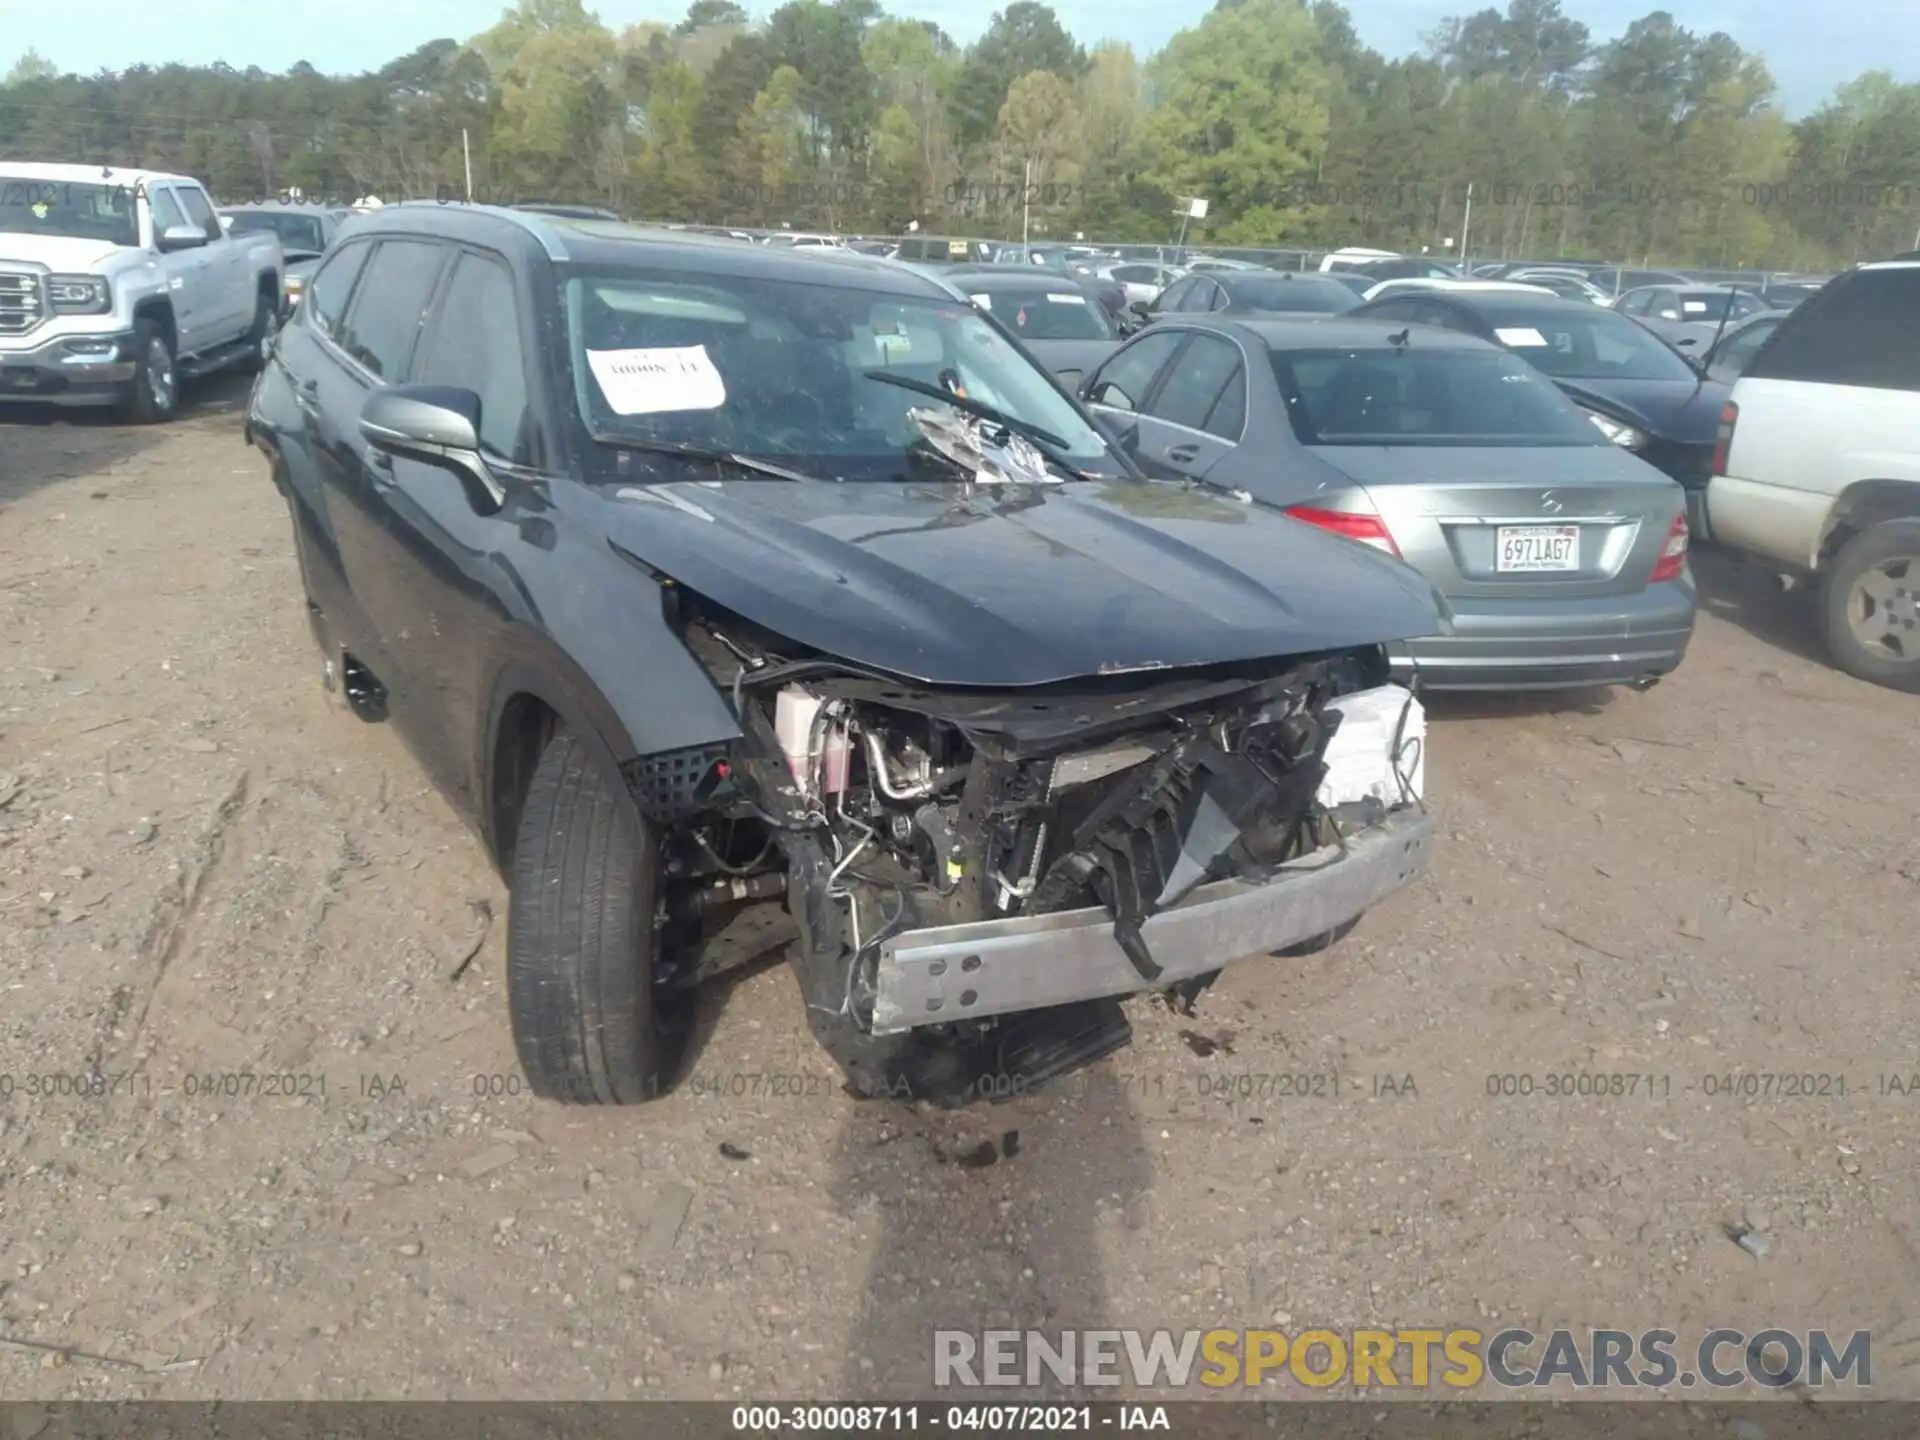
20	307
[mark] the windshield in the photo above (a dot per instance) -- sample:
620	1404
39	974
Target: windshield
296	232
1574	345
1410	396
775	370
1259	292
1064	314
76	212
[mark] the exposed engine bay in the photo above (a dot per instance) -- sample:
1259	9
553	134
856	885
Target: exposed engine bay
891	808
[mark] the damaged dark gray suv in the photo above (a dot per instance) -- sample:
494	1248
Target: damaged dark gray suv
744	599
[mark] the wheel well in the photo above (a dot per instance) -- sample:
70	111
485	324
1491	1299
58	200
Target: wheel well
1863	505
527	723
161	314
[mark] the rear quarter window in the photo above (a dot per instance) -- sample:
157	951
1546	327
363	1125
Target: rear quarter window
1862	329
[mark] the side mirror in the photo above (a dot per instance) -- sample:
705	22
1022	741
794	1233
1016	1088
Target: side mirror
182	237
1141	310
437	425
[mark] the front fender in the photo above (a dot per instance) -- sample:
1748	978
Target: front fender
627	691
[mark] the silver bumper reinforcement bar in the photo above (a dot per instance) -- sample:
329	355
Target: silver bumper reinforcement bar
994	967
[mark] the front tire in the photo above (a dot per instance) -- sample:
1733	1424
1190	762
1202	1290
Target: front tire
1869	604
580	936
153	396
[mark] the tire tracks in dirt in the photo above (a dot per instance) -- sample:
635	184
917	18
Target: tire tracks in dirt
177	908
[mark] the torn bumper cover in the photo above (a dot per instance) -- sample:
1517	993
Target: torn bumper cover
1175	859
995	967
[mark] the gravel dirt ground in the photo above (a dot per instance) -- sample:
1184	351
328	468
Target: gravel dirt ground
208	867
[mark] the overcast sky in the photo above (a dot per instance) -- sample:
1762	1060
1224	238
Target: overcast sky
1808	56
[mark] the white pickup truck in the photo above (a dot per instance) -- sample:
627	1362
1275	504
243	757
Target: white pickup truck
117	284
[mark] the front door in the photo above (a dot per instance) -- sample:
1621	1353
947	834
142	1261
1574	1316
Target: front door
445	561
229	280
1120	387
188	281
1196	413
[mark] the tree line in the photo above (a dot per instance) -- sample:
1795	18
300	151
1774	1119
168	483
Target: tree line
1515	133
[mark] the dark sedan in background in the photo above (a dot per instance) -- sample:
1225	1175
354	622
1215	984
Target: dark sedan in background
1563	558
304	232
1111	295
1637	388
1066	329
1690	317
1253	292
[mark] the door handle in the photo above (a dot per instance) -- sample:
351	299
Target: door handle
1184	453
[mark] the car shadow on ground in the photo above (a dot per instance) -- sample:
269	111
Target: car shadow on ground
1049	1173
1748	594
1060	1179
1448	706
41	445
1052	1174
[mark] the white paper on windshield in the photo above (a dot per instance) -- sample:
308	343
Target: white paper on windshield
1520	337
1054	299
648	382
985	302
1694	307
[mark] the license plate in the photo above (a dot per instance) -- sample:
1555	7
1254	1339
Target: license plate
1521	548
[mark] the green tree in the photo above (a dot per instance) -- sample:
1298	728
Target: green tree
704	13
1240	111
1019	40
526	21
31	66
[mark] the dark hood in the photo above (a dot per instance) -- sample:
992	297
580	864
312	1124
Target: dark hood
1677	410
1020	586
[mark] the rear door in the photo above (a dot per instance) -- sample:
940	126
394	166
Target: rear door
307	436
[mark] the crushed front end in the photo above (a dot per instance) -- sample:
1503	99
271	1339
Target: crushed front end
957	861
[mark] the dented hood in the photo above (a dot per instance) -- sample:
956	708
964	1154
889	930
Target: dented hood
1009	586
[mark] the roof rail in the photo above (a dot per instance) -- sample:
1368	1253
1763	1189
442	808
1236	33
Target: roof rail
530	221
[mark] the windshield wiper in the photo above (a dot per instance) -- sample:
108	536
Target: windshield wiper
695	452
970	405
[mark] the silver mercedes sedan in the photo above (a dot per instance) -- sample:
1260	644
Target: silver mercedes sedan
1562	556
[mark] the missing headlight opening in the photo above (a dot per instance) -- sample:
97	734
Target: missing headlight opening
961	865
